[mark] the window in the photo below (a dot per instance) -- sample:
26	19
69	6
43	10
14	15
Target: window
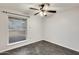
17	29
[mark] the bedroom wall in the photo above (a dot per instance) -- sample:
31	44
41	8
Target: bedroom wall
63	29
33	31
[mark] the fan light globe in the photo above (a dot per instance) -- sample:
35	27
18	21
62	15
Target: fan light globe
44	13
41	13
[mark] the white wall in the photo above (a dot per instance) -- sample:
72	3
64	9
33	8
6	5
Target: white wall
63	28
34	28
33	32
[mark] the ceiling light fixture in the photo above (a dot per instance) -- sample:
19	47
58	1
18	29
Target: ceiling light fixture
43	13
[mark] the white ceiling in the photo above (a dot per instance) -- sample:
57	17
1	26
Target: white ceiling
24	7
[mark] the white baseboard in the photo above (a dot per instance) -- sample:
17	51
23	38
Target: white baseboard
17	45
30	42
62	45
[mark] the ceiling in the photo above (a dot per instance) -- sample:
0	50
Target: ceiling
24	7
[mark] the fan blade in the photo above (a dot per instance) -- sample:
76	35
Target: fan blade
36	13
42	6
34	8
51	11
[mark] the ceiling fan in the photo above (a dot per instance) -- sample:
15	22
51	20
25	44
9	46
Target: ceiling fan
43	9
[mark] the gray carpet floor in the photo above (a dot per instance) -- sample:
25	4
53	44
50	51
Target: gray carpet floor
41	48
